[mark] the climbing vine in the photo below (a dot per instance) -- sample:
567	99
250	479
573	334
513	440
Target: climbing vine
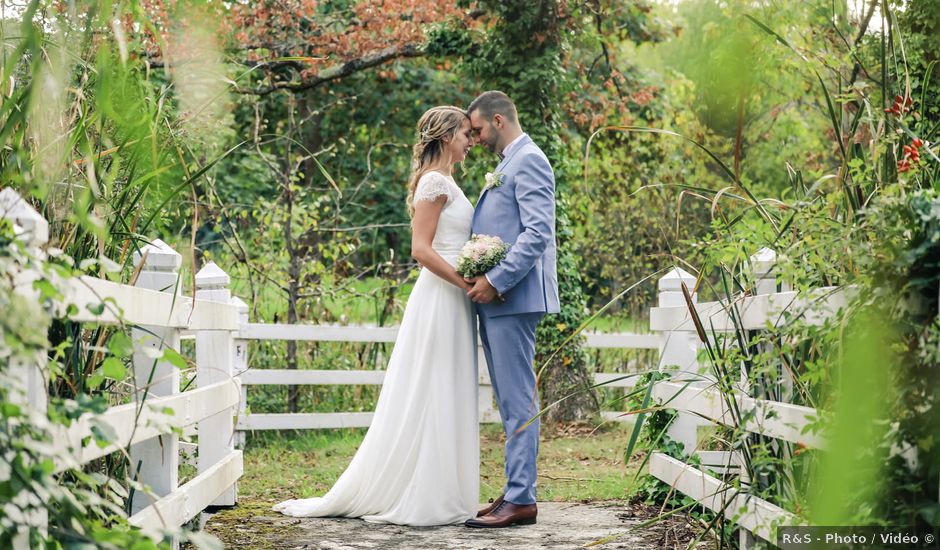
521	51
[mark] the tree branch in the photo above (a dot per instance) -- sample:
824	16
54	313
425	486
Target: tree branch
339	71
861	33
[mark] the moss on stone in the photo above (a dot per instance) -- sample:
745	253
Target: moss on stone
252	524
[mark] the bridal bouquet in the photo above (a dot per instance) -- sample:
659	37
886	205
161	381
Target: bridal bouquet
480	254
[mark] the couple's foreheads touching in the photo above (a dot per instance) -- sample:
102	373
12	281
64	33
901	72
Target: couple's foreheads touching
446	133
488	271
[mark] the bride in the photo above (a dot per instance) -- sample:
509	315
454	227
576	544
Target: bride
419	461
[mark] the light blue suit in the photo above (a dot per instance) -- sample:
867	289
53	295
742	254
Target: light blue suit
521	211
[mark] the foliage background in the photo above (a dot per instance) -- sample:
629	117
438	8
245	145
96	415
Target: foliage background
273	138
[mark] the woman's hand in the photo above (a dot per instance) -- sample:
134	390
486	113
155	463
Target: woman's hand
482	291
465	284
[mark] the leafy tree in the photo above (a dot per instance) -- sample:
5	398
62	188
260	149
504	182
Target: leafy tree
521	53
298	45
292	57
85	138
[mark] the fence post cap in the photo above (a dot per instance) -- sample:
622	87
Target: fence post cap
212	276
239	304
160	256
673	280
33	227
763	261
764	255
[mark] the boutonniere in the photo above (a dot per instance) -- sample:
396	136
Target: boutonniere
492	179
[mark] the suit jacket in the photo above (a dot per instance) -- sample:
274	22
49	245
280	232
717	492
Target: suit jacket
521	211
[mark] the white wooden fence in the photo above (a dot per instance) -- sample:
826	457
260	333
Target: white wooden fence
364	334
145	427
690	392
698	401
159	313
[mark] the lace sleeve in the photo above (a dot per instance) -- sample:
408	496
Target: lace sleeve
431	186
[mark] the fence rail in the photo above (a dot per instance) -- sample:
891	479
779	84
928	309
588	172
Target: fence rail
133	423
191	498
771	418
750	313
369	334
146	427
130	305
751	513
366	334
698	401
160	315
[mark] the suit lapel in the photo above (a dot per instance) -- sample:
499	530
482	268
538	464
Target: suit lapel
522	143
485	189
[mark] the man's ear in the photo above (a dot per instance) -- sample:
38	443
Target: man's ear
498	120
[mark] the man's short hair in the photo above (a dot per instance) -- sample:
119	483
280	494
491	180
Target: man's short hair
494	102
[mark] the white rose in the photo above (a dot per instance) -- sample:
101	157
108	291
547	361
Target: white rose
492	179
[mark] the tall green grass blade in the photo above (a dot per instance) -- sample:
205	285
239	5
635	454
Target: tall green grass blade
724	168
834	118
925	85
587	322
638	425
187	183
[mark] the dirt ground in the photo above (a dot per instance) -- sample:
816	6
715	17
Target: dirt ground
583	481
560	525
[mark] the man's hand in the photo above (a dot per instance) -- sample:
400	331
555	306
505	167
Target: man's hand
482	291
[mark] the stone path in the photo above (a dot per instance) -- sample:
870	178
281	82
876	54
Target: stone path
561	525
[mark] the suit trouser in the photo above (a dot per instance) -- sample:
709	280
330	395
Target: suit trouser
509	346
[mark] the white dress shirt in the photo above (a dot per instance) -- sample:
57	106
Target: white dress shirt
506	150
509	147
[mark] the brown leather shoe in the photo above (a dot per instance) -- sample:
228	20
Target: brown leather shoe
506	514
488	509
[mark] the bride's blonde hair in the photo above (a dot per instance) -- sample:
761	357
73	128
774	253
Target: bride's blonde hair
433	126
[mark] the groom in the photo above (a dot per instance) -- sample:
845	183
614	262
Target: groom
518	205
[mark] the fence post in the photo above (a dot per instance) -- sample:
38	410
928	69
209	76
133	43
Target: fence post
214	357
680	351
762	266
240	365
156	459
31	389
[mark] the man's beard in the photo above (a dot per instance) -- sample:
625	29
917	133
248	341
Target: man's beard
491	146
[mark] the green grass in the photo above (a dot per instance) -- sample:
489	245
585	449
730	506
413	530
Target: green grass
344	302
619	323
278	467
575	463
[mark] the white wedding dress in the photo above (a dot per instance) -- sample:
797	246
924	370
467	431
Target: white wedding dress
419	462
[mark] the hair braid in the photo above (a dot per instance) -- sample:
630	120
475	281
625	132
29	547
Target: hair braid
433	126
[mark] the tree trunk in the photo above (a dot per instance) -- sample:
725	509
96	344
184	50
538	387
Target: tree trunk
296	246
293	291
738	139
